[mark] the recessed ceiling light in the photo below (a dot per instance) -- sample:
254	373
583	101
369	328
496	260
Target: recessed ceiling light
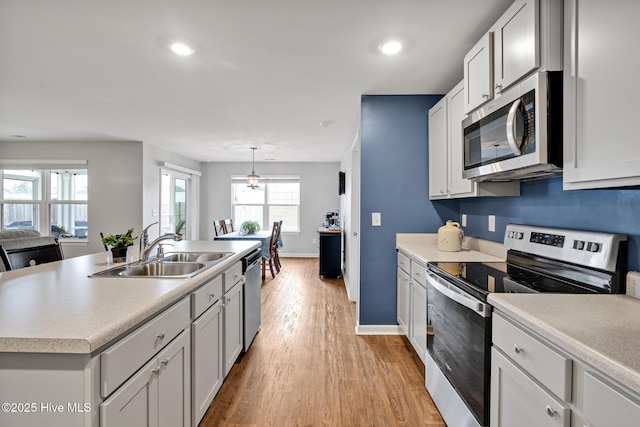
326	123
18	136
390	47
182	49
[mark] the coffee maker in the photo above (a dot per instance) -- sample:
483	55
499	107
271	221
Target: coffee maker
331	219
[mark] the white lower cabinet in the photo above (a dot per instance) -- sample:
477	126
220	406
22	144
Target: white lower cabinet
158	394
412	301
207	369
535	383
517	400
233	331
418	328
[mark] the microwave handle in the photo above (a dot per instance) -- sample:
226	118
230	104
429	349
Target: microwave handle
516	147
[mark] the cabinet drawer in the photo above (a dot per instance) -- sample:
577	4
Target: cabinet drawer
206	296
231	276
546	365
419	273
122	359
404	262
606	406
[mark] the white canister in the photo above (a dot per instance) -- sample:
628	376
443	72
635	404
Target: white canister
450	237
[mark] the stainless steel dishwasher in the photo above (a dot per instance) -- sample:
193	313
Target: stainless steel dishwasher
252	296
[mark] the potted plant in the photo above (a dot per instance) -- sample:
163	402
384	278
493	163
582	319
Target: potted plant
249	227
119	244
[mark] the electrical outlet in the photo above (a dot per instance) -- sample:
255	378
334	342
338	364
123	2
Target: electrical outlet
154	212
314	241
492	223
464	220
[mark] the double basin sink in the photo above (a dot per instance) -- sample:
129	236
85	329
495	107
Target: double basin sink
178	265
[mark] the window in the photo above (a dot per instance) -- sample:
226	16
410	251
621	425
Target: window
51	200
173	203
277	198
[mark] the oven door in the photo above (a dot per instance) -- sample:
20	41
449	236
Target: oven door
459	340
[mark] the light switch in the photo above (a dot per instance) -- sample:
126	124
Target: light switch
376	219
154	212
464	220
492	223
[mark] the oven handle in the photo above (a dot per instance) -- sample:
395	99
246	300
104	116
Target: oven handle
478	307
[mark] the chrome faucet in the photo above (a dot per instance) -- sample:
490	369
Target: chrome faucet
146	247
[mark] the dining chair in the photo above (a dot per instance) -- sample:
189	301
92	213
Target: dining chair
275	248
273	251
218	228
14	259
228	225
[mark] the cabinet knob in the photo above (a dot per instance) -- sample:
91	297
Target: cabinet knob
156	371
485	95
517	349
498	87
160	335
212	296
550	411
165	362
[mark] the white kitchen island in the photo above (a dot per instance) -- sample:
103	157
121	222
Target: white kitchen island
56	322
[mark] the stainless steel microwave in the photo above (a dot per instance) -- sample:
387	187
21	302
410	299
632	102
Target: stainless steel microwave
519	134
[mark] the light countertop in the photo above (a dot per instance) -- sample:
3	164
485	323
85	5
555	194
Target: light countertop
423	246
57	308
600	330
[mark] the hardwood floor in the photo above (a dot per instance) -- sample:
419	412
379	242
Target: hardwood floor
307	367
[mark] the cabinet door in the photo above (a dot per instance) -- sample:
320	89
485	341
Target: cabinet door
418	318
600	95
403	301
516	43
232	326
135	403
606	406
517	400
174	383
438	150
478	74
458	186
207	373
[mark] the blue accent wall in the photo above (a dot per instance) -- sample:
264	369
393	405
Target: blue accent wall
394	182
544	203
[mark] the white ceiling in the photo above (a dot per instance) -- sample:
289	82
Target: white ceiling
266	73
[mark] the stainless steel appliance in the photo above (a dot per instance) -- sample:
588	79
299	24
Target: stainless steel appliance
252	296
519	134
457	365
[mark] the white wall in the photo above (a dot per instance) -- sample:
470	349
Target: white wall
318	188
115	183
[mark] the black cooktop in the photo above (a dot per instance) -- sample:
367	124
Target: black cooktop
483	278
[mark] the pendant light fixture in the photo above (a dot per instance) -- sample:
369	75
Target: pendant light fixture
252	179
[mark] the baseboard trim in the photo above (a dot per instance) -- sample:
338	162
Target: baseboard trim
378	330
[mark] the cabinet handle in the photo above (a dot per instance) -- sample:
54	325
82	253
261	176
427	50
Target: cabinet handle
156	371
550	411
165	362
517	349
160	335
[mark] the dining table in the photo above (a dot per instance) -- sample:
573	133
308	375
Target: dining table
264	236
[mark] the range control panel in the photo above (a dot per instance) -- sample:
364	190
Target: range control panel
598	250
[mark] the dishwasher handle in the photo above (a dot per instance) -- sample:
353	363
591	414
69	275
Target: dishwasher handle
460	297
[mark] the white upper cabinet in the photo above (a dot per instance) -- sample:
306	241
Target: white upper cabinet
600	94
478	74
515	37
446	154
526	38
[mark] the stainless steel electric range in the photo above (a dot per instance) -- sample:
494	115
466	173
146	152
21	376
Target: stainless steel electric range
457	367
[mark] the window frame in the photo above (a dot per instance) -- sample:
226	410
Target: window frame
42	193
263	186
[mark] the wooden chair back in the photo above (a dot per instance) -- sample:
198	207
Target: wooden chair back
228	225
218	228
14	259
